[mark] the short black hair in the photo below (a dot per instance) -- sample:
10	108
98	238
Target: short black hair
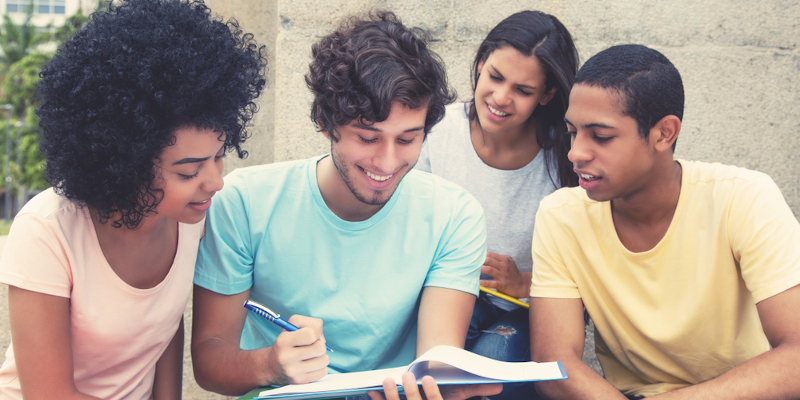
650	87
116	91
368	64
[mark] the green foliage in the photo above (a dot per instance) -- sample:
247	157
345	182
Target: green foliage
17	41
20	63
77	21
19	85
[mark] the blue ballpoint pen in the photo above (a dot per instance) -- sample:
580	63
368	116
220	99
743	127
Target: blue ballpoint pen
271	316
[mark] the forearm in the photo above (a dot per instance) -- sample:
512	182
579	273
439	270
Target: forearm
583	383
443	318
226	369
168	381
771	375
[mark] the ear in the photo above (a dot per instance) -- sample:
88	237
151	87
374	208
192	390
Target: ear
324	132
480	66
665	133
548	96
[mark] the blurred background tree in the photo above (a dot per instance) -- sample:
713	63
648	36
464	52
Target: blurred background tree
24	50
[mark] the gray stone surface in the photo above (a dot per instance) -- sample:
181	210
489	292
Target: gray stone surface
739	62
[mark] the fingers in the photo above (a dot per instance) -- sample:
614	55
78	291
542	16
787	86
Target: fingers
489	284
389	390
460	392
488	389
410	387
430	388
300	356
375	395
490	255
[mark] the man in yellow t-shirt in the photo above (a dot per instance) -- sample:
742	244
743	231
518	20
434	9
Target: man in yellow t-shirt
689	270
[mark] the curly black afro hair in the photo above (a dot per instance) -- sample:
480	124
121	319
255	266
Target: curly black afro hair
115	92
369	63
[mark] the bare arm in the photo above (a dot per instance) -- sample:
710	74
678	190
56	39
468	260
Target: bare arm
40	329
443	318
168	381
557	335
221	366
771	375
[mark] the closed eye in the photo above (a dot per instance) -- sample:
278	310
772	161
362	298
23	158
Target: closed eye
187	177
602	139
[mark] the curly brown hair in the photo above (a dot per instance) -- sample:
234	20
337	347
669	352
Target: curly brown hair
368	64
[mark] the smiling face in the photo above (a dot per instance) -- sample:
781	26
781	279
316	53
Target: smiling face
611	158
510	86
371	160
190	173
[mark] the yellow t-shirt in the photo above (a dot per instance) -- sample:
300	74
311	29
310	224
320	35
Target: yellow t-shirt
683	312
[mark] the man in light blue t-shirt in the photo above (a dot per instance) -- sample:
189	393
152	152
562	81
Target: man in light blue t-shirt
386	257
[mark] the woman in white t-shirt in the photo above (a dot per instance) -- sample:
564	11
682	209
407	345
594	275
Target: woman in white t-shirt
508	147
137	110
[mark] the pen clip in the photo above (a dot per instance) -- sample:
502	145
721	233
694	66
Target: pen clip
258	308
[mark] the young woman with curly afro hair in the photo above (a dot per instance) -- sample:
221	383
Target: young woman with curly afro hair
137	110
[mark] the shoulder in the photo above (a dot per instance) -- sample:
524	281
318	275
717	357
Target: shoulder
49	205
439	193
266	173
701	172
716	178
455	121
259	178
565	200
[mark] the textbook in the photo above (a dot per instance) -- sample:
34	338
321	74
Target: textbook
462	368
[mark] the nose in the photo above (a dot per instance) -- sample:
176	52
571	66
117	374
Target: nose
213	181
579	149
502	96
387	159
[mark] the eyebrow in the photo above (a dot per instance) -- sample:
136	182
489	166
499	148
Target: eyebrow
496	72
190	160
370	128
592	125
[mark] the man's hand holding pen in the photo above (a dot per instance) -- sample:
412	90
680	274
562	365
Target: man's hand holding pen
299	356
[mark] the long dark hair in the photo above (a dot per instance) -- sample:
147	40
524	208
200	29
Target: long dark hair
534	33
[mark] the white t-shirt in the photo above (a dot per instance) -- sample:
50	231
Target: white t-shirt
118	331
509	198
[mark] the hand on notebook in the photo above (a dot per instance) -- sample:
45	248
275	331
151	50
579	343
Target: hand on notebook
507	278
431	390
300	356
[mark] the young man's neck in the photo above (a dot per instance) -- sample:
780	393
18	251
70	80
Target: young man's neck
338	197
642	220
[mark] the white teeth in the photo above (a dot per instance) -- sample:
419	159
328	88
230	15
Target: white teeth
497	112
378	177
588	177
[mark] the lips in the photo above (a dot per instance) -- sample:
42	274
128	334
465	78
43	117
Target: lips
379	178
496	111
201	206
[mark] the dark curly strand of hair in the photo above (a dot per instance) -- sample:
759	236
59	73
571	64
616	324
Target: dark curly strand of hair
117	90
369	63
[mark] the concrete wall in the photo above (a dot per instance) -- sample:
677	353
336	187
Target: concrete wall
739	60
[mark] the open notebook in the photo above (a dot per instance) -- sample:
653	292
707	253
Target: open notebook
462	368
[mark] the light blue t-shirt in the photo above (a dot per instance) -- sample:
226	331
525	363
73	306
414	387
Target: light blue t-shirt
270	231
